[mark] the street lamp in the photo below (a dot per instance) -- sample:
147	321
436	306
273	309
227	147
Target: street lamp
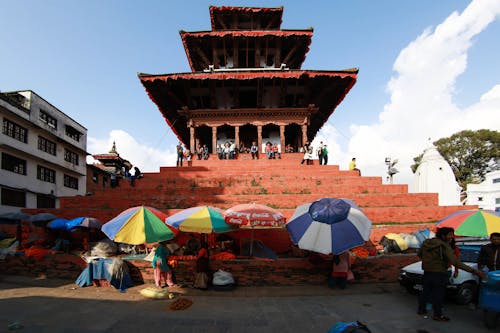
391	170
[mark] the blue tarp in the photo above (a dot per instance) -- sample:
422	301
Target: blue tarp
258	250
112	269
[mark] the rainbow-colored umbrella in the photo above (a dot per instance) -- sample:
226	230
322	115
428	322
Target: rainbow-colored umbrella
474	223
200	219
139	225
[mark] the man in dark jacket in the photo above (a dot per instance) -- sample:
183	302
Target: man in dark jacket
436	254
489	256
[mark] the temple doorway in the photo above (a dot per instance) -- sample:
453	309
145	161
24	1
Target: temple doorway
225	133
293	136
203	136
248	134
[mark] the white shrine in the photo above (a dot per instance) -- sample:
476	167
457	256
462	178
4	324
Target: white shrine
434	175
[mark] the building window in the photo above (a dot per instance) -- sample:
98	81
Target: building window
95	177
14	164
14	198
48	119
45	201
496	180
46	145
479	198
73	133
46	174
70	156
71	182
497	201
15	131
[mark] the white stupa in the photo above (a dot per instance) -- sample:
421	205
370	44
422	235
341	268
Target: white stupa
434	175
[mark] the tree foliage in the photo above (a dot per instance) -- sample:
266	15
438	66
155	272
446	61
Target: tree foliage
471	154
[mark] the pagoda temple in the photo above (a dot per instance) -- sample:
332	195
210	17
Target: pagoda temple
112	162
246	83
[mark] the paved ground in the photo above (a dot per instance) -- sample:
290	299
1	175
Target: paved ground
47	305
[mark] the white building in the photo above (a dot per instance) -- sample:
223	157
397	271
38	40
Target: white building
485	195
434	175
43	153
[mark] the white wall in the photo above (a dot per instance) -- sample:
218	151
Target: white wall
485	195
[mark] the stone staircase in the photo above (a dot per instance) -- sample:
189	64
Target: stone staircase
279	183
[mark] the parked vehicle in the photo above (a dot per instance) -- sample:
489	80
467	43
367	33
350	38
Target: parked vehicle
463	288
489	299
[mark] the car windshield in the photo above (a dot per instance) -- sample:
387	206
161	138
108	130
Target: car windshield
469	253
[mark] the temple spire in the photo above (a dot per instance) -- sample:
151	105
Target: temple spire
113	149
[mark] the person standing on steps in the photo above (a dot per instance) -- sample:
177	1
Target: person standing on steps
325	155
180	154
319	152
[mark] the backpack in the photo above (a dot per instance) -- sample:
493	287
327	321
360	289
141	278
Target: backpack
349	327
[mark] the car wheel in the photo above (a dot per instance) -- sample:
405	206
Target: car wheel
465	293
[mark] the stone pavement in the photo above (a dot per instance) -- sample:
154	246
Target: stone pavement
50	305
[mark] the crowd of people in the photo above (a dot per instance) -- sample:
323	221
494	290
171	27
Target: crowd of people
228	151
321	153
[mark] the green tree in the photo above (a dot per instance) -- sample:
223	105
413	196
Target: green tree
471	154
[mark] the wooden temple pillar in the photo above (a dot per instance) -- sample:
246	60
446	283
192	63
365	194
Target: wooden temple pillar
282	138
259	137
192	146
237	137
214	139
304	134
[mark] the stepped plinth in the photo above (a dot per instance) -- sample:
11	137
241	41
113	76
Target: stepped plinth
279	183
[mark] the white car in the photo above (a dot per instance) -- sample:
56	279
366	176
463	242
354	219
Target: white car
462	288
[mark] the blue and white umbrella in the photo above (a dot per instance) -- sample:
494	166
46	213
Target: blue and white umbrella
329	225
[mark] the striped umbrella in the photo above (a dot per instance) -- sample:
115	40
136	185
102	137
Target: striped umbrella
200	219
473	223
139	225
329	225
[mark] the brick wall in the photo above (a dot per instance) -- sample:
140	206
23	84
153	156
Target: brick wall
247	272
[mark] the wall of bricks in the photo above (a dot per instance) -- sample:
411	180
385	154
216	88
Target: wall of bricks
247	272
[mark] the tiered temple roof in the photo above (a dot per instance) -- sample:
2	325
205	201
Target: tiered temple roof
246	74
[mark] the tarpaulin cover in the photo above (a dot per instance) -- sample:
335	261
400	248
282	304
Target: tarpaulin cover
112	269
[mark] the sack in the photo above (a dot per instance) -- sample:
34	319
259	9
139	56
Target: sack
222	278
349	327
201	280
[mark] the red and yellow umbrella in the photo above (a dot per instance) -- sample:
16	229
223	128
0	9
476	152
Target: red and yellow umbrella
474	223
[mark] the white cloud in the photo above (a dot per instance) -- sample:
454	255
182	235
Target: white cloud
146	158
421	96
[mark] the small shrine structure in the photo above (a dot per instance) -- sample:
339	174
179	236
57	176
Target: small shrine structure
246	83
112	162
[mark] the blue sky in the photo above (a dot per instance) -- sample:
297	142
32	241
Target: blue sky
427	69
